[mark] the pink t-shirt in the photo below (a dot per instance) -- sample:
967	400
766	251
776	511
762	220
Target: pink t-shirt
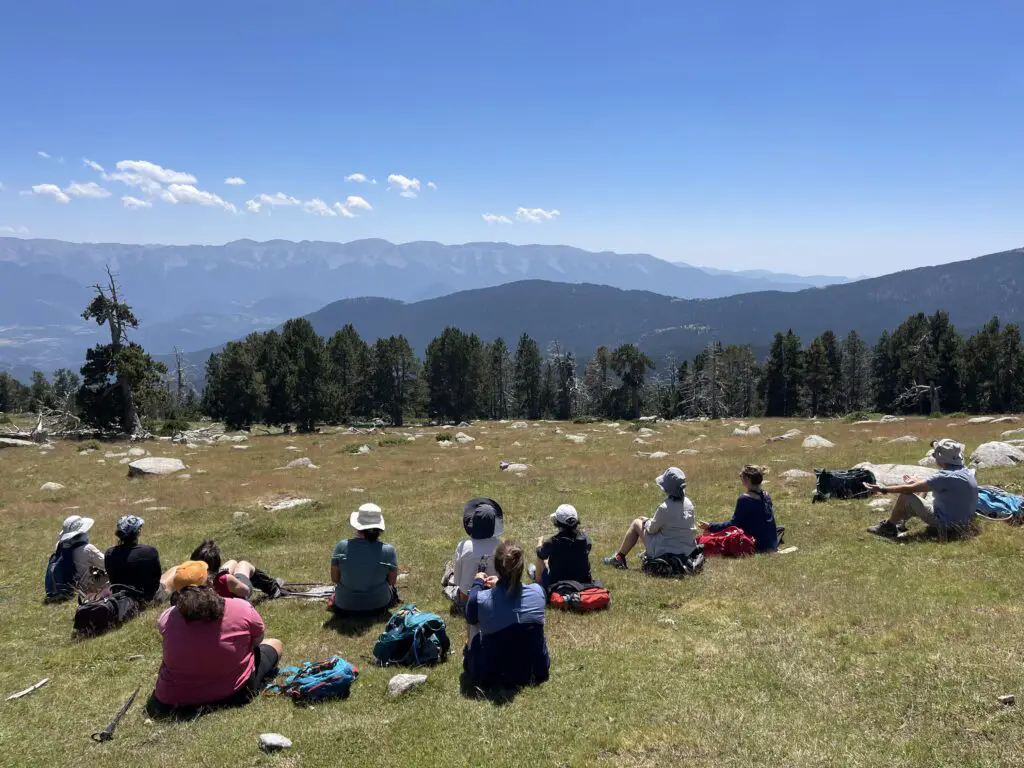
206	661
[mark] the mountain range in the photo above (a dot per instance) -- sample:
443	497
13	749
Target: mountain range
192	297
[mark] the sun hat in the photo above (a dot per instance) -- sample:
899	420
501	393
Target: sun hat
191	573
672	481
483	518
74	526
566	515
129	526
369	516
948	451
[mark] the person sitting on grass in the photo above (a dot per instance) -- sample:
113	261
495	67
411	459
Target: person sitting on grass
133	567
670	532
364	568
75	563
754	513
235	578
214	651
482	518
509	650
950	500
565	555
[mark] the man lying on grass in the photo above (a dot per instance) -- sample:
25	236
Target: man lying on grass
951	496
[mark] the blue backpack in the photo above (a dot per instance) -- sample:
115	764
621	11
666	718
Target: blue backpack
59	581
317	681
412	638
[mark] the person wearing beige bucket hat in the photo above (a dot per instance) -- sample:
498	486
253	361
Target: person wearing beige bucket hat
949	500
364	569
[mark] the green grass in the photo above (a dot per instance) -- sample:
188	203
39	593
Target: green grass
852	651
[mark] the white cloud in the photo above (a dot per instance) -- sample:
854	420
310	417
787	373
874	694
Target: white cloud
92	164
493	218
13	230
155	172
49	190
89	189
536	215
408	186
352	202
358	178
318	207
432	185
144	183
252	206
186	193
234	181
134	202
44	155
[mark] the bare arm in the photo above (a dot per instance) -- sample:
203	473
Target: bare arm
392	578
917	486
237	588
335	573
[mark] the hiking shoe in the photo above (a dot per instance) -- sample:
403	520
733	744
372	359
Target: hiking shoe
616	561
885	529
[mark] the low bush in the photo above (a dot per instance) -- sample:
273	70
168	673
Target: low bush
442	436
391	440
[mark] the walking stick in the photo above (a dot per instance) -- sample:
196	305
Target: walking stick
108	733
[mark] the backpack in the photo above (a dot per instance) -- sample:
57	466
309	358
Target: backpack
579	598
412	638
729	542
59	581
674	566
317	681
842	484
94	617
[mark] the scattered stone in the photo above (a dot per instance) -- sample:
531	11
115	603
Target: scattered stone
577	439
903	440
816	441
645	432
356	490
519	425
239	517
478	448
282	504
147	500
752	431
272	742
404	683
87	452
639	441
50	487
896	474
651	419
891	419
513	467
613	425
304	462
981	420
880	503
126	460
362	450
13	442
156	509
462	438
996	454
155	465
795	474
47	447
136	453
115	455
790	435
1008	700
1006	420
1012	432
201	472
240	447
787	551
666	621
687	452
517	444
444	443
928	461
658	455
291	448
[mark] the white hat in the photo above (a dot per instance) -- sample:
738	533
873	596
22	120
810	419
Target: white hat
73	526
566	515
948	452
369	516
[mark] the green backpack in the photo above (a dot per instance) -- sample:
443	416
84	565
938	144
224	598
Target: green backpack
412	638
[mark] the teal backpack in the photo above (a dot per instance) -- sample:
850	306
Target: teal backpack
317	681
412	638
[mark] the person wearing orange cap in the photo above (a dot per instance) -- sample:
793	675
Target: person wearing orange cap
214	651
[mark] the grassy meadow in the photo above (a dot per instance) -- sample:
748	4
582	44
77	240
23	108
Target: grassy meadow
852	651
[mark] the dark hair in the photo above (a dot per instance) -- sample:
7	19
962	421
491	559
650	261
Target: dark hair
199	604
508	562
372	534
753	474
209	553
127	538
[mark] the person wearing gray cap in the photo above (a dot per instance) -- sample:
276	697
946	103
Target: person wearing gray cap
950	500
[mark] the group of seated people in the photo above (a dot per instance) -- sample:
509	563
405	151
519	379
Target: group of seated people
214	649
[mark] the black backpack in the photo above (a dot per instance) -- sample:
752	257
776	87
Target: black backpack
94	617
842	484
674	566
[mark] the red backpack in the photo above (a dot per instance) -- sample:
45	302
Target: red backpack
579	598
729	542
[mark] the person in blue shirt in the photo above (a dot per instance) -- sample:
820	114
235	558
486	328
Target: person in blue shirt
363	568
509	650
754	513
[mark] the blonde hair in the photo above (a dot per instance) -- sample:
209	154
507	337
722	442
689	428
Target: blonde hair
508	562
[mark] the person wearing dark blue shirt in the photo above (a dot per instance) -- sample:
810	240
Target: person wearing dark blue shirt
509	650
754	513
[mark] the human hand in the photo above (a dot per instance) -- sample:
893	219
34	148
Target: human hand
875	488
491	582
703	525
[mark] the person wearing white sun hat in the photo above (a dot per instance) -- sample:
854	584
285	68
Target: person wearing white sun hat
565	555
363	568
76	562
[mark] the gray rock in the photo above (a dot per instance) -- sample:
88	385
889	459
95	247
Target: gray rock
981	420
1006	420
272	742
903	440
404	683
240	447
514	467
282	504
928	461
790	435
115	454
1012	432
795	474
362	450
155	465
891	419
687	452
578	439
184	476
304	462
816	441
752	431
519	425
136	453
13	442
658	455
462	438
51	487
996	454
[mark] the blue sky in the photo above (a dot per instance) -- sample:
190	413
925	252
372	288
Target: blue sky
837	137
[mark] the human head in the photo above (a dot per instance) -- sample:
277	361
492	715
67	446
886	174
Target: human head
508	563
949	454
191	573
209	553
368	521
752	477
566	517
481	517
128	528
673	482
75	528
194	598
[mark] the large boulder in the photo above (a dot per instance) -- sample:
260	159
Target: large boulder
981	420
155	465
996	454
791	434
817	441
462	438
754	430
1006	420
13	442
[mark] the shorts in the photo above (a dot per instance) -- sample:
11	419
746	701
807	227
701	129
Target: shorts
245	580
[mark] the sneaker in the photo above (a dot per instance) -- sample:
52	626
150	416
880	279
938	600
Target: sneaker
616	561
885	529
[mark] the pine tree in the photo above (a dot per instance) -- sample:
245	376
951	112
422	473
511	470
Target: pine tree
856	373
396	369
499	379
885	373
13	394
454	372
241	396
350	365
773	382
1011	369
631	366
40	392
981	368
526	387
309	374
597	383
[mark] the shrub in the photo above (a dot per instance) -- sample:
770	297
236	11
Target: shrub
856	416
957	415
586	420
4	418
167	427
92	445
636	426
391	440
353	448
444	436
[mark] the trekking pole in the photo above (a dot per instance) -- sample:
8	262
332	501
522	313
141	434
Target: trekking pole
108	733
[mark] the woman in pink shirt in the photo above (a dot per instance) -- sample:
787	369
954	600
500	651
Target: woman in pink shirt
214	651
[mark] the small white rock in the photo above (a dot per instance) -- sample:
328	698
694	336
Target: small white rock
304	462
816	441
272	742
404	683
51	487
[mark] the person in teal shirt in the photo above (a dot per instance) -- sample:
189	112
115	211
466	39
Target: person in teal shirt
364	569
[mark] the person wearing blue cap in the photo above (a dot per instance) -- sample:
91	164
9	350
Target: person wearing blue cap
133	567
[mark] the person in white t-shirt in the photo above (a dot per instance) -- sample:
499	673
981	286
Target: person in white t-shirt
483	520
